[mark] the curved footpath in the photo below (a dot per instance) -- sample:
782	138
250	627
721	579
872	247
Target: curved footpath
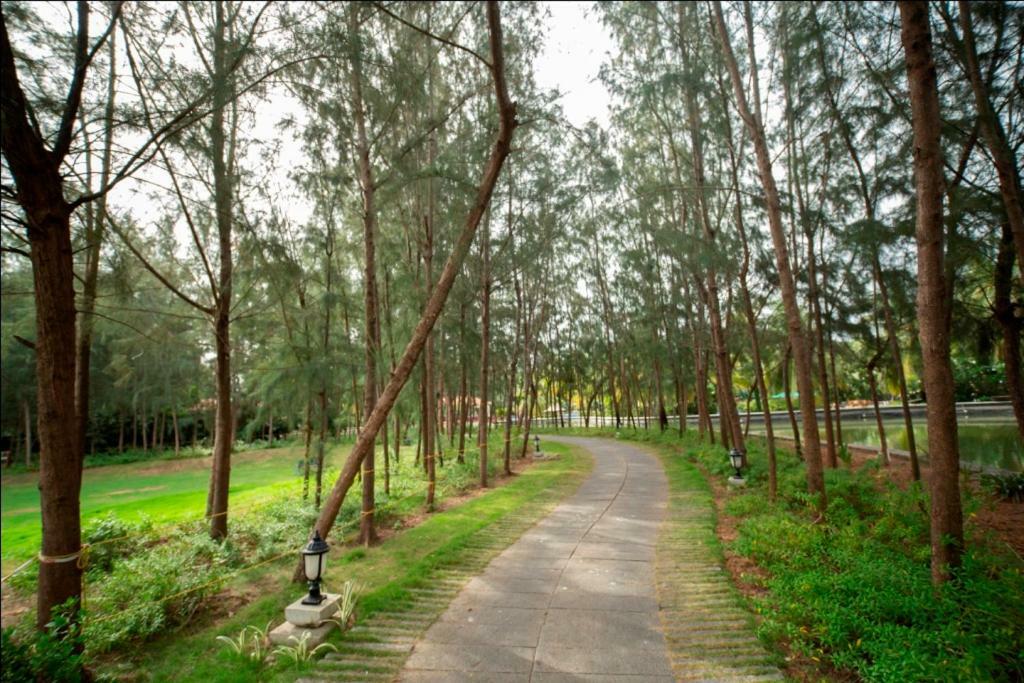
618	583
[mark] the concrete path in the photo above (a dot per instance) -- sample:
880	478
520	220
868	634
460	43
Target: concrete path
574	599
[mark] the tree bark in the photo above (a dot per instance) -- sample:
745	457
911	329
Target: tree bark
1003	310
367	188
933	312
39	189
812	445
439	294
485	345
223	192
995	139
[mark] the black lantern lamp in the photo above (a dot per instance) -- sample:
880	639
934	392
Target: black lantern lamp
736	458
314	560
536	442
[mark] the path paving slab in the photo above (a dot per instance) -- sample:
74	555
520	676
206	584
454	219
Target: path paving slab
574	598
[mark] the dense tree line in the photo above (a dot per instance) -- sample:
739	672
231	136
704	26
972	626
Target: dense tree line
231	220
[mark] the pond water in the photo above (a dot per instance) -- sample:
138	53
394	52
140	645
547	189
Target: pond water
990	443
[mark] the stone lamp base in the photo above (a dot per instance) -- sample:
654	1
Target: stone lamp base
311	619
737	481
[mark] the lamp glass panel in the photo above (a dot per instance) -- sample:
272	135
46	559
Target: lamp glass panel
314	566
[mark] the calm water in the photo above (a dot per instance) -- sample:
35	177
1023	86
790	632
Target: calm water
988	443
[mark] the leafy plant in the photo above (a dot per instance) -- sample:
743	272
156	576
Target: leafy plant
53	655
251	643
1008	486
301	652
346	605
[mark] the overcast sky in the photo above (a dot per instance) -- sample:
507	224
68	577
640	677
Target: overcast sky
575	46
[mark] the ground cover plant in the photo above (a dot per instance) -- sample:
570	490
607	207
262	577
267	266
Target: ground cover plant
850	594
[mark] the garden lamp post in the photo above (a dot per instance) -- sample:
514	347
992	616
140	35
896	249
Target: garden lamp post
536	442
736	459
314	560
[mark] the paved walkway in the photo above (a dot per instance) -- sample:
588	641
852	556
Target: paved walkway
573	599
618	584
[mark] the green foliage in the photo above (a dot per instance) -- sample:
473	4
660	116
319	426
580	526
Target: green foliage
300	653
974	381
1009	486
251	643
53	655
854	589
109	538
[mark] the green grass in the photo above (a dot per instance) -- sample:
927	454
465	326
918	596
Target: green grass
384	574
165	491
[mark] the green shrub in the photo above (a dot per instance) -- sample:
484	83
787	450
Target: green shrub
53	655
855	589
1009	486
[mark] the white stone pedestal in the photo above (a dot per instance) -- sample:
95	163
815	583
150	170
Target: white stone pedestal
737	481
311	619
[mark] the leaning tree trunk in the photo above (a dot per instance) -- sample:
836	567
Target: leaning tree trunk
812	445
439	294
995	139
933	313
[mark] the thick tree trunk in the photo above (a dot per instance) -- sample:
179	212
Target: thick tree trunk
812	445
439	294
36	172
933	313
60	453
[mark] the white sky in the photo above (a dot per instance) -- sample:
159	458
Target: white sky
575	46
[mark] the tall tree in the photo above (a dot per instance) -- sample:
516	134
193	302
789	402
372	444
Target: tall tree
753	122
933	310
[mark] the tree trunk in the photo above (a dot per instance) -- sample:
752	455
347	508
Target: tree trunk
894	347
1003	157
933	313
811	446
27	413
367	532
485	345
438	295
305	454
177	433
36	172
874	402
1003	311
223	203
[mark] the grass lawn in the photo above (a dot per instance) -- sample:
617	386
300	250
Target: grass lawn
384	573
163	490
